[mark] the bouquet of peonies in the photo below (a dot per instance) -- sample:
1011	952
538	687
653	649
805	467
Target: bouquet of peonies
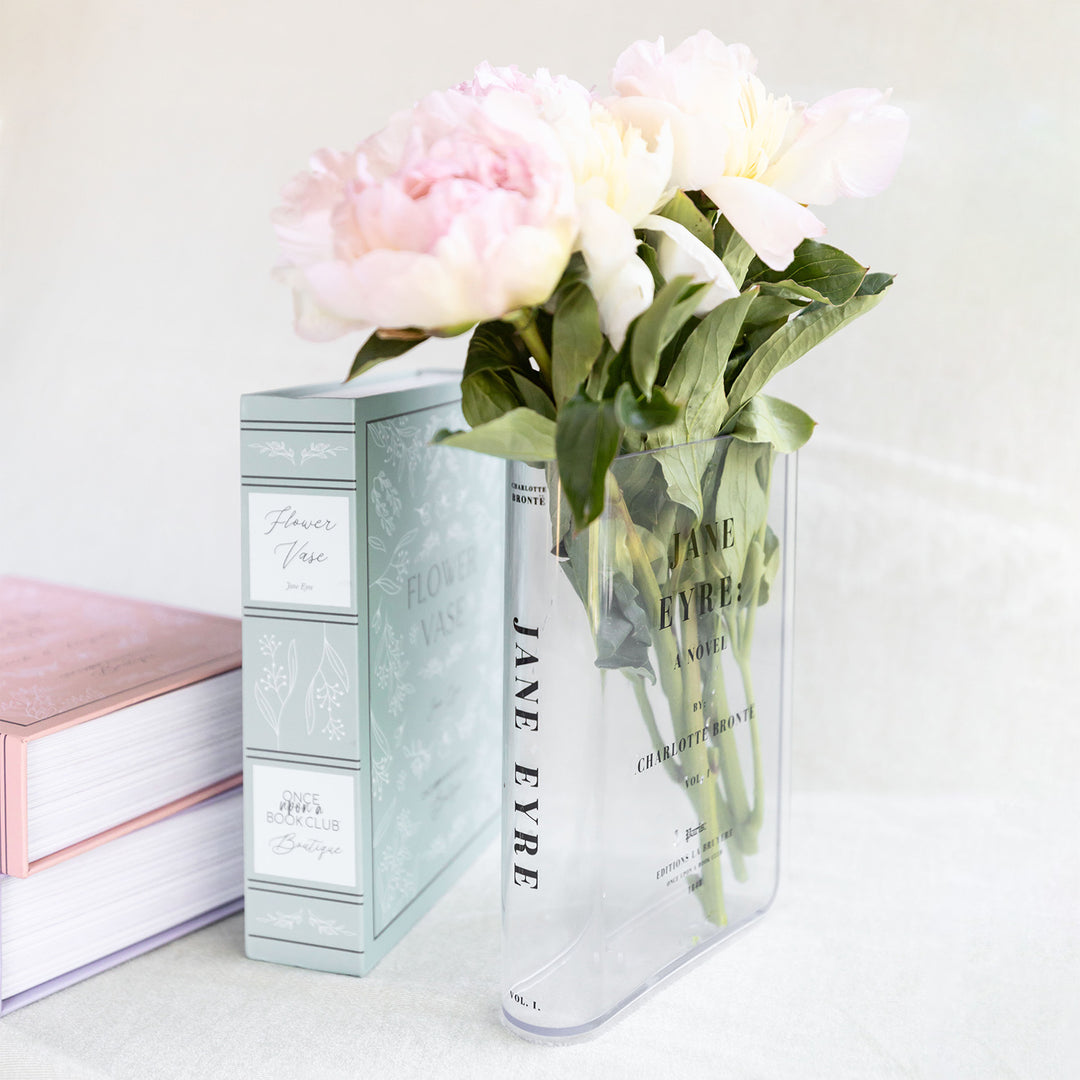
633	269
588	240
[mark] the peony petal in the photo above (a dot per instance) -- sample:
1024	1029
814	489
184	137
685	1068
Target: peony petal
525	269
637	69
620	281
312	322
606	239
394	289
681	253
699	142
647	174
847	144
628	292
771	223
461	209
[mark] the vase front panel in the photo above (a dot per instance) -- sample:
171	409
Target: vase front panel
645	719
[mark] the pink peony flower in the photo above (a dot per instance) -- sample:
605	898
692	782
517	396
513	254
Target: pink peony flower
759	158
618	181
460	210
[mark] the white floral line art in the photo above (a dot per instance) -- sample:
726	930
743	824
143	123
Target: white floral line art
386	501
390	664
282	920
380	760
391	579
418	756
275	448
403	444
324	694
320	451
275	685
396	860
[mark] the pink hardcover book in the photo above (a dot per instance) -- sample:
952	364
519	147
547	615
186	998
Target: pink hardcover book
114	713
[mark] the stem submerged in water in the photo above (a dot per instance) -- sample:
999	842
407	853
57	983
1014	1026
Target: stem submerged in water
698	777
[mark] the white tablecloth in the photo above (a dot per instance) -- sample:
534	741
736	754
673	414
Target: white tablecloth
914	937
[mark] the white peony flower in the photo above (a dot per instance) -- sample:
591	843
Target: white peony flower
619	179
759	158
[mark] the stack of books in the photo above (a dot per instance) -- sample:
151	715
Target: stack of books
120	772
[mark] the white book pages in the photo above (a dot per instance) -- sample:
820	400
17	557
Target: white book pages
103	772
120	893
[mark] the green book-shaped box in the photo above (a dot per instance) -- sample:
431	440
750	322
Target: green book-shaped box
373	577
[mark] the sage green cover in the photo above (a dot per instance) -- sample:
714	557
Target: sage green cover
373	576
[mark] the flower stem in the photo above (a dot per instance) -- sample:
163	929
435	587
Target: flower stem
524	322
742	657
671	767
694	763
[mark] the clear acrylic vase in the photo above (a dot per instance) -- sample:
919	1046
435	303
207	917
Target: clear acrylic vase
647	707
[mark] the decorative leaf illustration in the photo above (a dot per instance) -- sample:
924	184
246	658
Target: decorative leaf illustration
390	580
320	451
330	654
292	666
309	707
265	708
274	448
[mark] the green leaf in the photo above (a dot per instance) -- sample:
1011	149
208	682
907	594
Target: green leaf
756	336
598	377
647	254
657	325
494	347
377	349
818	271
875	284
697	377
485	396
753	568
799	336
519	434
586	440
772	565
682	210
644	414
576	270
735	253
767	419
622	633
634	473
674	347
576	339
496	366
684	465
533	396
771	308
741	495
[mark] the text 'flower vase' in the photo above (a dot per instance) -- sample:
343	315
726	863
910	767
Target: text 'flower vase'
647	708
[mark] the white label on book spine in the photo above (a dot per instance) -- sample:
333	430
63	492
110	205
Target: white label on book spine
298	549
304	824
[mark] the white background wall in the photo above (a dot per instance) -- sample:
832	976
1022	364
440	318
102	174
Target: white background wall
143	145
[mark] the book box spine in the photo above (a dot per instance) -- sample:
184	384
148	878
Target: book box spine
305	703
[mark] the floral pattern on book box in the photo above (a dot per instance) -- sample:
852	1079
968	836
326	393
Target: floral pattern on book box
432	575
